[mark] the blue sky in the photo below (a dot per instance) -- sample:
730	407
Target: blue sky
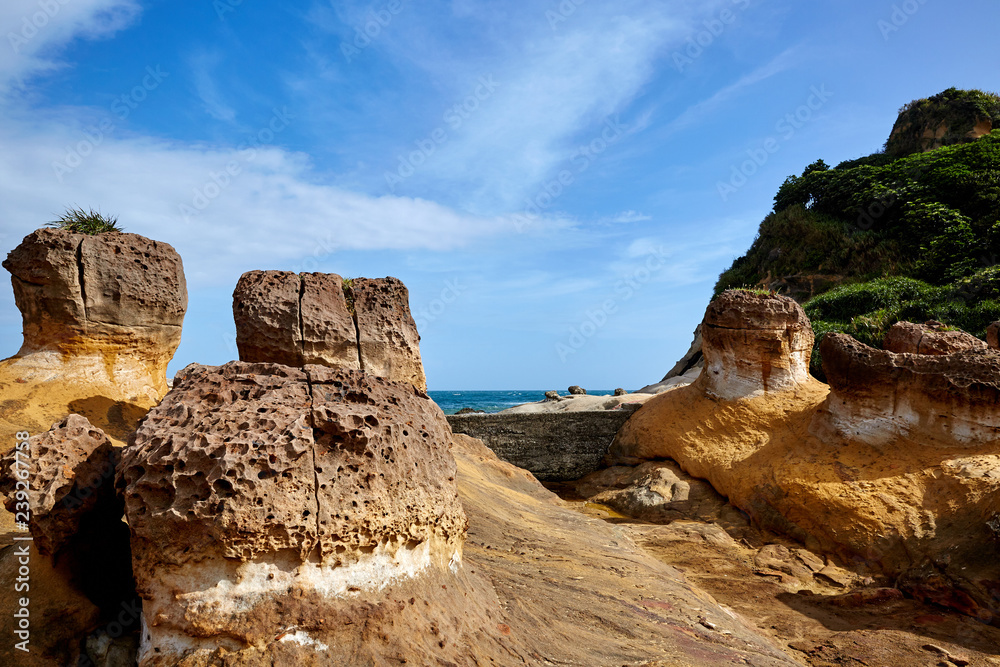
559	184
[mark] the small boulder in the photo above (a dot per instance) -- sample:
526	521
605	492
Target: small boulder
577	390
552	396
620	392
71	471
993	336
929	338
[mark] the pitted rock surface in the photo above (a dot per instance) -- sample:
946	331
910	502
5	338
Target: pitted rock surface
71	471
260	458
319	318
299	489
754	343
387	335
929	338
993	336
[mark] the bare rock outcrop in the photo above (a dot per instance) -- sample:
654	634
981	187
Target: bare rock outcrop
68	474
890	469
387	335
102	318
929	338
878	397
264	497
113	304
993	336
61	485
317	318
754	343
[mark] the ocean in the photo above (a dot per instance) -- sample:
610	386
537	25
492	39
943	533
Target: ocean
493	401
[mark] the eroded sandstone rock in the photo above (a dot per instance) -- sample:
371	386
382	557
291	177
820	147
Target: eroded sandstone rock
101	318
118	298
878	397
993	336
70	473
387	335
80	575
754	343
308	493
317	318
929	338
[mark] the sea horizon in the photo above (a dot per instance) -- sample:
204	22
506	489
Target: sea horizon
494	400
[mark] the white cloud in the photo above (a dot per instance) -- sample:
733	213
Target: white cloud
34	30
273	211
626	217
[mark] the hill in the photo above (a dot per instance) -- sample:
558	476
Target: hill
911	232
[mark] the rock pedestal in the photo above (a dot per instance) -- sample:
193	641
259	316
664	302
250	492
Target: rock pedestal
754	344
101	318
266	500
99	308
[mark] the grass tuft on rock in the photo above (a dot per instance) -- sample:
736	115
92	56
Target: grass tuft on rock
86	222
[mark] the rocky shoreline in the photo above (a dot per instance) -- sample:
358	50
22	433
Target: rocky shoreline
308	504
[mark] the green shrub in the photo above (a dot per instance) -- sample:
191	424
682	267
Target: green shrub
86	222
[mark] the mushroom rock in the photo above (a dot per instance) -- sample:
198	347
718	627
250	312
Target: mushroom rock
878	397
929	338
317	318
102	317
890	469
754	343
280	512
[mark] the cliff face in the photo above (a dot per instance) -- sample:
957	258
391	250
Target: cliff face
888	467
948	118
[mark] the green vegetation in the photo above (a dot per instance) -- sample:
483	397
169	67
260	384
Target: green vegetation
86	222
907	235
955	112
759	291
349	294
867	310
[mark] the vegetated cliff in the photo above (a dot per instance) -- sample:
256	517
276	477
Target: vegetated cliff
910	232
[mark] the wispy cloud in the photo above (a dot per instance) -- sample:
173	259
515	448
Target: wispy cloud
626	217
34	32
698	112
203	66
